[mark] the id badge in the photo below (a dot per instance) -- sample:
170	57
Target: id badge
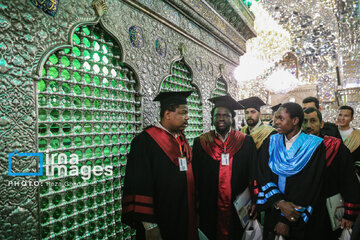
183	164
225	159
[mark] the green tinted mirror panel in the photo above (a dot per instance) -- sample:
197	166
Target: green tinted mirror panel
221	88
181	80
88	108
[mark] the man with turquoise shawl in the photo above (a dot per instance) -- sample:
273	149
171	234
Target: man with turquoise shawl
290	172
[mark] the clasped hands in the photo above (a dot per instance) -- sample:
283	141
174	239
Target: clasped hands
288	209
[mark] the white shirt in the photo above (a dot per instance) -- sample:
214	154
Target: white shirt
158	124
256	126
221	138
345	133
289	143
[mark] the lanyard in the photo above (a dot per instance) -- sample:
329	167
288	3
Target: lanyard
226	142
179	142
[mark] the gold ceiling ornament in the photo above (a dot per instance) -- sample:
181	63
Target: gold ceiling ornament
221	69
100	7
182	49
290	62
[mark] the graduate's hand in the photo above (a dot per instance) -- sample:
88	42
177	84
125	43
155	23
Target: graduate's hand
282	229
153	234
253	213
346	223
288	209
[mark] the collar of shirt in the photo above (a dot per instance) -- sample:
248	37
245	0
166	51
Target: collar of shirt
345	133
158	124
289	143
256	126
220	137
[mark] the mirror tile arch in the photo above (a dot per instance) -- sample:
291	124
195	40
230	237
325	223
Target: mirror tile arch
181	79
88	107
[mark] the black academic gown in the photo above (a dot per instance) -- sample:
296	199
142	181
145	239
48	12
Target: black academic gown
340	178
160	190
254	186
356	157
330	129
273	132
206	173
303	189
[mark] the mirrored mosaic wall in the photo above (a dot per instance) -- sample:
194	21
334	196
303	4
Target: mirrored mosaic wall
180	79
75	107
88	105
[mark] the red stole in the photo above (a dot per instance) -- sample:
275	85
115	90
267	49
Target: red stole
332	145
170	146
214	147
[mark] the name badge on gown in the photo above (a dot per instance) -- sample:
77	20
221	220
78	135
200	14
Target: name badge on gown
183	164
225	159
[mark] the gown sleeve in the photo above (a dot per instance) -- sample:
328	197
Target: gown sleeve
252	166
254	183
356	157
269	192
138	200
196	155
349	185
196	159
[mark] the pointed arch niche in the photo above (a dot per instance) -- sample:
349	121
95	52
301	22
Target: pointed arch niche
88	105
180	79
221	88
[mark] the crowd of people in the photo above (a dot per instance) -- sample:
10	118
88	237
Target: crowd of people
291	169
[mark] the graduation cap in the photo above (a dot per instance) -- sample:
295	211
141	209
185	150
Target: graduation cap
227	102
276	107
252	102
169	98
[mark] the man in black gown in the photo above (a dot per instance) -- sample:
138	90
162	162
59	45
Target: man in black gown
290	173
159	189
339	176
255	127
222	162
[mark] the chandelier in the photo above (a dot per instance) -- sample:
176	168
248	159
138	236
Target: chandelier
264	51
281	81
